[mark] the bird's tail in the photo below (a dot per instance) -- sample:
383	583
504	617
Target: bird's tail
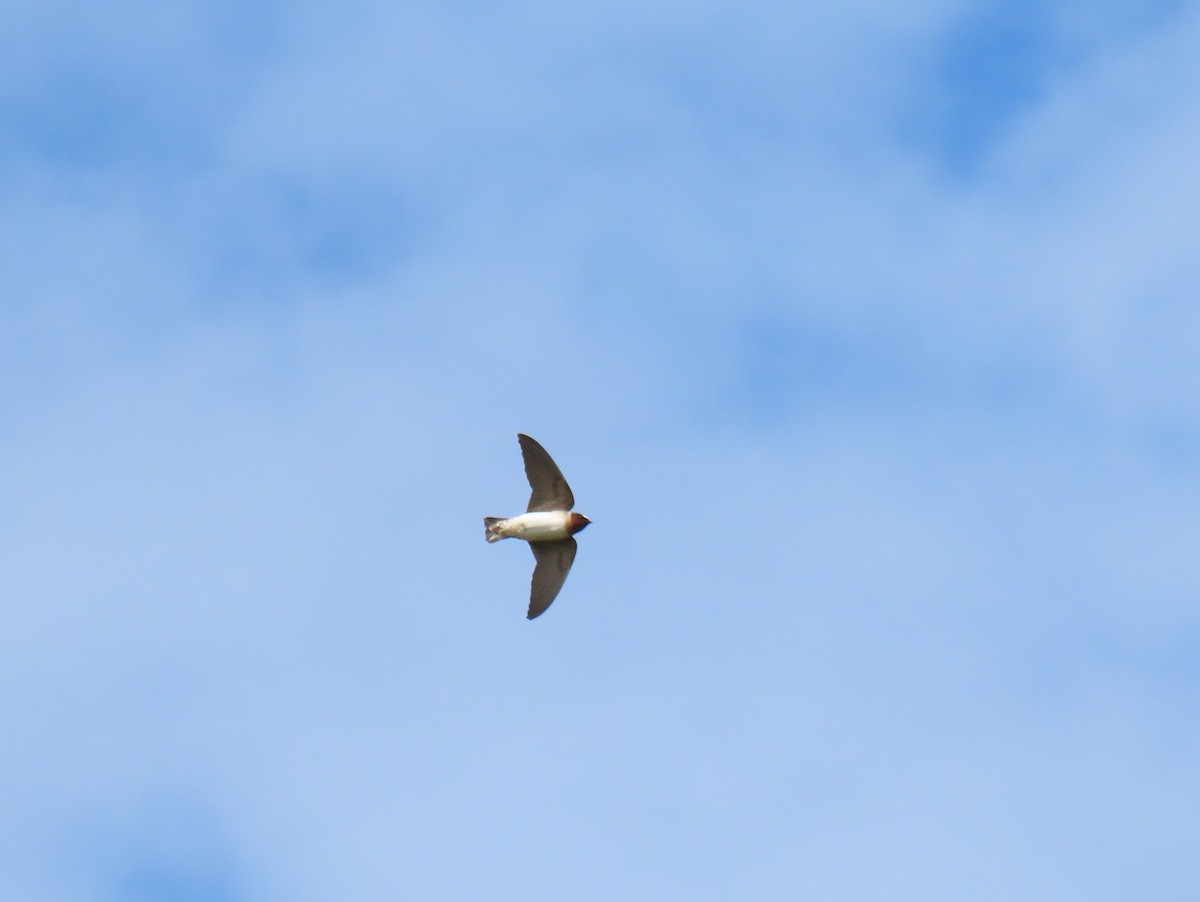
489	528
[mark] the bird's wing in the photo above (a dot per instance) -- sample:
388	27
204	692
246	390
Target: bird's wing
550	490
554	561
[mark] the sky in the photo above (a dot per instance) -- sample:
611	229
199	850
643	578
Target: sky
865	334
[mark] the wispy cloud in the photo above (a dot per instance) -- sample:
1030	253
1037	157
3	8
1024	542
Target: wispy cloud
865	335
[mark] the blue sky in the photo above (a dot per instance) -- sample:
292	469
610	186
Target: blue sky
866	336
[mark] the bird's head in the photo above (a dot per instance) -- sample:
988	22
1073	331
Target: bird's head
578	522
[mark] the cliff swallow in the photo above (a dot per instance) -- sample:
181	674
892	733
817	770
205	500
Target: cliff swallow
548	525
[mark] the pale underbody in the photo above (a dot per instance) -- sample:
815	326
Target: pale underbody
534	526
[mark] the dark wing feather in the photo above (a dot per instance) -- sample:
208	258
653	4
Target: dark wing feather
554	561
550	490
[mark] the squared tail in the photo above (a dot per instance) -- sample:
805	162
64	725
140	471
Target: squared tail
489	528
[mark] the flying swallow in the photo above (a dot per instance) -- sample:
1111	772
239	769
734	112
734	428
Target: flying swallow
548	525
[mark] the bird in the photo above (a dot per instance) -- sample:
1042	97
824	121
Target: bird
548	525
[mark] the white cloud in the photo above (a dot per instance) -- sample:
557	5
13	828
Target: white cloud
247	598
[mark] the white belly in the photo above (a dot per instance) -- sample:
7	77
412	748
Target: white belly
536	526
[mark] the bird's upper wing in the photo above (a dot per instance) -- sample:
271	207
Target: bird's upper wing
550	490
554	561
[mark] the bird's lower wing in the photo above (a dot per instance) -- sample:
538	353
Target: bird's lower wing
554	561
